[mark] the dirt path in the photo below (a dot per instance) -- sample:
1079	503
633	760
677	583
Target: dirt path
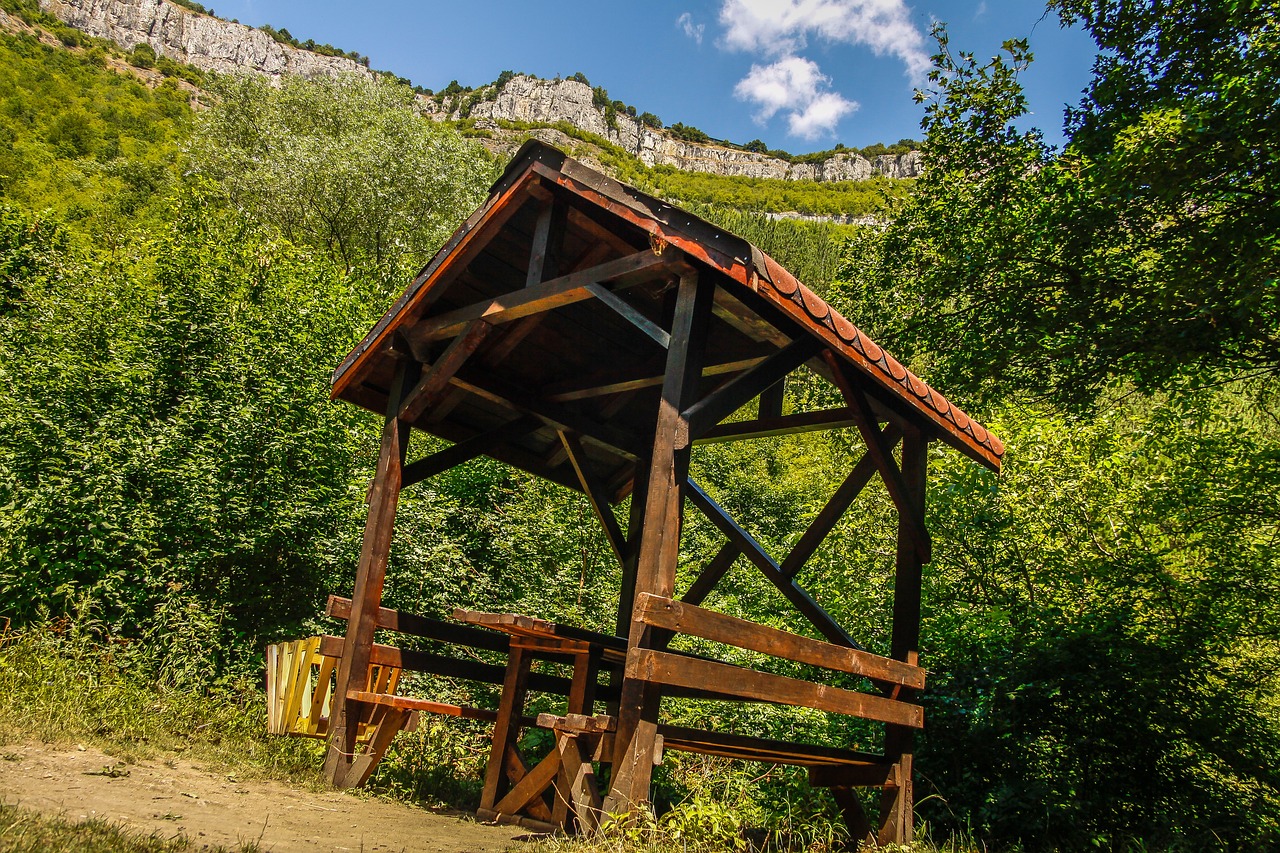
77	783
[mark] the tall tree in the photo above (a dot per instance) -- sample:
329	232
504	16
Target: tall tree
344	164
1145	251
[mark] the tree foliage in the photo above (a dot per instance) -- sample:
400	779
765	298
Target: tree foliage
342	164
1143	252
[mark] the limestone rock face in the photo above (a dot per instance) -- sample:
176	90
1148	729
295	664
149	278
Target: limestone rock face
221	46
206	42
528	99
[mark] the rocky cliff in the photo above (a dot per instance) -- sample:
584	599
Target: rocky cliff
529	99
212	44
206	42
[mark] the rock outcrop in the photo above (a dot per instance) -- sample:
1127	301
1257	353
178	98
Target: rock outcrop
206	42
529	99
212	44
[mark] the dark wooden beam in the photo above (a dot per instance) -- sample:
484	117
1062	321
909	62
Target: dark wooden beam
678	670
741	389
558	292
897	805
880	453
755	552
784	425
835	508
432	386
660	537
465	451
684	618
595	493
605	435
353	669
629	313
424	626
610	384
772	398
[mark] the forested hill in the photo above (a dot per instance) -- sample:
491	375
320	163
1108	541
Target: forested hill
187	32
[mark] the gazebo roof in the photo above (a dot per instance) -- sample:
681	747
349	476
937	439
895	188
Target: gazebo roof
551	304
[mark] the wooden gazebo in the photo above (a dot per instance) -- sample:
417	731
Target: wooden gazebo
590	334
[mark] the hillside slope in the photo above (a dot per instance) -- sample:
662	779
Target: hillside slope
213	44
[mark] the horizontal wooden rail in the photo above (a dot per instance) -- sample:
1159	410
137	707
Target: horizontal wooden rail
409	703
709	625
666	668
425	626
451	667
750	748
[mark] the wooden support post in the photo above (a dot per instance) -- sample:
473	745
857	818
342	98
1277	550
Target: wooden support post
896	804
353	671
506	730
660	537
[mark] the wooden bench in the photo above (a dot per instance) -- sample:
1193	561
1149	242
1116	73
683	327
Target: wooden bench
837	769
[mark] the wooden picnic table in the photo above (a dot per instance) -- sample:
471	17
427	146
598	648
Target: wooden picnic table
561	788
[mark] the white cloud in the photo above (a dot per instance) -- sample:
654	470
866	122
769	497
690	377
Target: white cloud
692	30
782	27
797	87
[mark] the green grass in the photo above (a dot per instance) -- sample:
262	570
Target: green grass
62	683
23	831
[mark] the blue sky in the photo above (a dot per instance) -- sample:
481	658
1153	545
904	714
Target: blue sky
799	74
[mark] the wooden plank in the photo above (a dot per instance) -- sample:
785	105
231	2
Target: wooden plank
410	703
541	240
632	315
580	783
683	739
387	727
773	426
609	383
721	628
506	728
666	668
608	436
855	817
754	551
425	626
558	292
465	451
834	509
743	388
596	494
857	776
449	667
370	574
432	386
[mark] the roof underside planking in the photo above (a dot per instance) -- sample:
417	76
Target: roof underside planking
547	313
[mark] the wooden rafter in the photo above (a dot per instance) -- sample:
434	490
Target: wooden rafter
741	389
556	293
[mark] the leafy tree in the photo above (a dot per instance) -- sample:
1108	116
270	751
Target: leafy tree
1143	252
343	164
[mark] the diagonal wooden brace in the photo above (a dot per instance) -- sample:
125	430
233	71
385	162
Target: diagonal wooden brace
881	453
